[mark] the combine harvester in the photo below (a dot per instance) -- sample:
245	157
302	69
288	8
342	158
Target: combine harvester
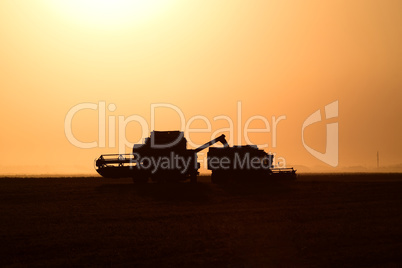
164	157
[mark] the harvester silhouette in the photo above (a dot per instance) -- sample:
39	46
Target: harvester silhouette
164	157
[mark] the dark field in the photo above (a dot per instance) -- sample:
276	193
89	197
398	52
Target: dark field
318	220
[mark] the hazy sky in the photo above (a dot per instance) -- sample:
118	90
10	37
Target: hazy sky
277	58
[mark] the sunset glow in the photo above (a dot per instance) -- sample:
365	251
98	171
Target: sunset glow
103	13
273	59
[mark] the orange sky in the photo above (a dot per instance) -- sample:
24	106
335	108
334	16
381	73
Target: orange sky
275	57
